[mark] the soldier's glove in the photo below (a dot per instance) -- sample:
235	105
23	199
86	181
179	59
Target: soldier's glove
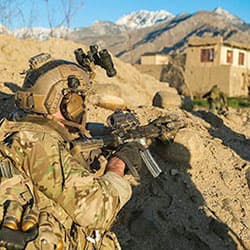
130	154
18	217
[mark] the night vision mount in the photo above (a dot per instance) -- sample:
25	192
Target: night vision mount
101	58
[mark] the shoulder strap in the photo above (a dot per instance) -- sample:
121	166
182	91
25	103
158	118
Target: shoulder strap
8	161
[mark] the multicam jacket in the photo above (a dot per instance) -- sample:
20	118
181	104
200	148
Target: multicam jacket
41	151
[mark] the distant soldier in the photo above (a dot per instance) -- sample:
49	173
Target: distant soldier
217	100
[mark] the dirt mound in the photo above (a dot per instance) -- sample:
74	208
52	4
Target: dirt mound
202	198
136	88
201	201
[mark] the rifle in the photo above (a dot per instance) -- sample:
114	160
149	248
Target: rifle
124	127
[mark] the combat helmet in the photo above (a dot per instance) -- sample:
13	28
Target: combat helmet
54	85
59	85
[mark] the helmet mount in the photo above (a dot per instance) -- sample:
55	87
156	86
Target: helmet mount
51	86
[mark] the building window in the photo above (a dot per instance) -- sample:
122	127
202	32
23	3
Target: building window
229	56
241	58
207	55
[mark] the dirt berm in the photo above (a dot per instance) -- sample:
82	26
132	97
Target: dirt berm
202	198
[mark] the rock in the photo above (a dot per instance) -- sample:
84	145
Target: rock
171	90
187	147
174	172
244	117
165	99
108	102
233	117
168	214
218	140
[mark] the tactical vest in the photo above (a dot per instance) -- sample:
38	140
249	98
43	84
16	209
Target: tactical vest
11	163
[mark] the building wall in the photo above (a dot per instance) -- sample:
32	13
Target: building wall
248	60
236	52
154	59
233	79
161	59
239	81
201	79
194	56
148	60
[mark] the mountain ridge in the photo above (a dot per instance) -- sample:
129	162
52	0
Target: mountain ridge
166	34
144	18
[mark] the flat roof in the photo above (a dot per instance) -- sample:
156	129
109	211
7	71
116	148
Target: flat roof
154	54
206	41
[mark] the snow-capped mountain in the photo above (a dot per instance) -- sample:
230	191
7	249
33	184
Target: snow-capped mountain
111	34
225	14
42	33
144	18
4	30
104	28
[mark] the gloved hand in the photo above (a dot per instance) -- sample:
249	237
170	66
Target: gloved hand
18	216
130	154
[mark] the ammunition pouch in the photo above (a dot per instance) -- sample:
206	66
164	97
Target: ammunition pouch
7	167
51	234
16	200
6	170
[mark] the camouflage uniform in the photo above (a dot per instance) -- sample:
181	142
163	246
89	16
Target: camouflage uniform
42	152
75	207
217	100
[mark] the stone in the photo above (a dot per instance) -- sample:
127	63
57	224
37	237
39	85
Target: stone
165	99
186	148
108	102
174	172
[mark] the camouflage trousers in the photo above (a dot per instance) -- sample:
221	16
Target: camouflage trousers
216	107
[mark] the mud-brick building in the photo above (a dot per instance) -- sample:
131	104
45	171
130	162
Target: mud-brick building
211	61
152	64
154	59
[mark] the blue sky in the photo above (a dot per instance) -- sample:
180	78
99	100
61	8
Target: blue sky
111	10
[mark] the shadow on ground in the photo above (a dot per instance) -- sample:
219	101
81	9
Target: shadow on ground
236	141
167	213
7	101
